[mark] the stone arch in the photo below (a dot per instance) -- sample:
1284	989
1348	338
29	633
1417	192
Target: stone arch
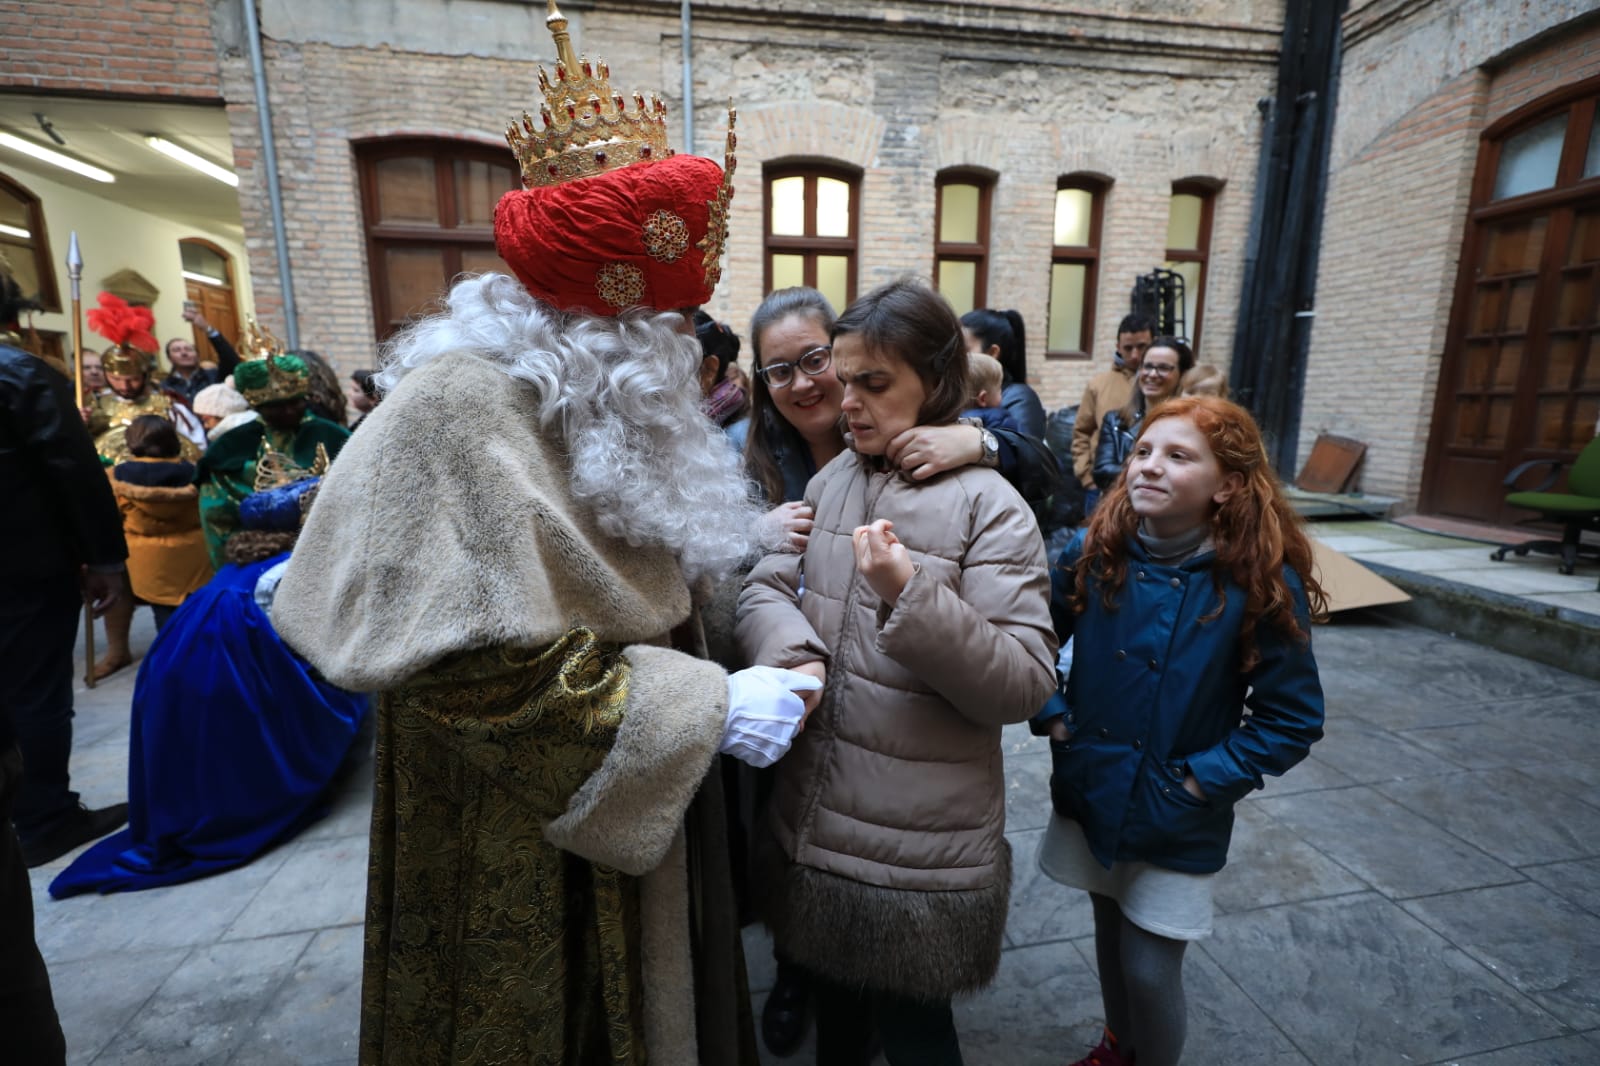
813	129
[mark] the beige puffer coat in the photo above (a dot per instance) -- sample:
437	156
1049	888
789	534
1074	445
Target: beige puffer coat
890	807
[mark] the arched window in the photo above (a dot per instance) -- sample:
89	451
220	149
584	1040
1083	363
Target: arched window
1520	379
208	283
812	228
961	238
26	244
429	207
1189	247
1074	265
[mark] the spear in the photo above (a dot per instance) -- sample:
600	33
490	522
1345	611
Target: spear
75	272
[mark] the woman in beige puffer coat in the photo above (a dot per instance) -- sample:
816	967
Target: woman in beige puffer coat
926	604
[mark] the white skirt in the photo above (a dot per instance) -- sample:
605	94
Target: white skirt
1169	903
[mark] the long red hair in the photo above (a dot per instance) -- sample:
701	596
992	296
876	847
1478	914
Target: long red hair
1255	532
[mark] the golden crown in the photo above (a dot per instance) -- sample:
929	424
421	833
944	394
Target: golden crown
584	126
275	469
260	341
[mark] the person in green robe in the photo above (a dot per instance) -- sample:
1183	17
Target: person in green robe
286	434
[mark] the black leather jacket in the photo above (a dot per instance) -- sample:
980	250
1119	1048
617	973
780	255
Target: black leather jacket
1116	444
56	506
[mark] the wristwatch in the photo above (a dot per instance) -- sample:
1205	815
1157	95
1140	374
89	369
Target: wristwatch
991	449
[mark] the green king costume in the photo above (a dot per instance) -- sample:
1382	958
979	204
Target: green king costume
227	472
549	881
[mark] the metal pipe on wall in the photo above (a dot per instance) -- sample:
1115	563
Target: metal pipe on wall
685	30
269	159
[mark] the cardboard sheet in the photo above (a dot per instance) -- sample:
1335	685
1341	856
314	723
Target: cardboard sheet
1349	584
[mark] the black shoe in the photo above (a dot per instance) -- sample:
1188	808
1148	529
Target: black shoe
784	1017
76	829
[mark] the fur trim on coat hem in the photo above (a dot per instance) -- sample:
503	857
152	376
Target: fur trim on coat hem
924	945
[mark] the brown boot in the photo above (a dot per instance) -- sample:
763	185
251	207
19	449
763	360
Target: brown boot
119	620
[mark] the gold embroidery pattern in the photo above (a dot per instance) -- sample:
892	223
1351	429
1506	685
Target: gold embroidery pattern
620	284
666	237
484	943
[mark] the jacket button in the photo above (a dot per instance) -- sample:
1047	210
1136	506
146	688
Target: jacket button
1104	732
1175	583
1138	745
1121	655
1141	575
1154	665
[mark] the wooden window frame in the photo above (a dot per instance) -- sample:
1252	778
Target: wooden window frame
1087	255
1570	192
43	263
449	234
810	246
976	252
1206	189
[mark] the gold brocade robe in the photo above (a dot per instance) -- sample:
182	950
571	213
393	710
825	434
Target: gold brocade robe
109	418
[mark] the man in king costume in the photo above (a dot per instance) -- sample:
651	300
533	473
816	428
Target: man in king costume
275	385
505	554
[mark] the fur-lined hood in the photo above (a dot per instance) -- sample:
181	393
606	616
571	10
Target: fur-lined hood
448	523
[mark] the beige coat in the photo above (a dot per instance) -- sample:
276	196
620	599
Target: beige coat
447	525
1106	392
891	805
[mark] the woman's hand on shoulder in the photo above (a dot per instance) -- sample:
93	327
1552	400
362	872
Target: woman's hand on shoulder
883	560
787	525
923	451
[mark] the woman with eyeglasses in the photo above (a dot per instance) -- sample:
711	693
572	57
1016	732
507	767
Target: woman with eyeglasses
1160	377
795	427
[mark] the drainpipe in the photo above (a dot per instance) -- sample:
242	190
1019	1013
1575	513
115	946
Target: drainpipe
269	159
685	28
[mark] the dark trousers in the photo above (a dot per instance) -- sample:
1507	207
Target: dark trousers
38	632
163	613
30	1032
913	1033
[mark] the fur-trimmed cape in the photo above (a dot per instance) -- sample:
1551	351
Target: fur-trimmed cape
447	526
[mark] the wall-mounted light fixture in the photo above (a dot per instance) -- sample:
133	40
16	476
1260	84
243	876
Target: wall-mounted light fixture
14	231
54	158
189	159
204	279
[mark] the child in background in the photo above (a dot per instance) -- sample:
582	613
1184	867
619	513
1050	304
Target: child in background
160	517
1190	599
925	604
221	407
1204	380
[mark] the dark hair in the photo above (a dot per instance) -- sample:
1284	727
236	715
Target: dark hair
1003	328
1136	323
909	320
12	302
167	349
152	437
364	382
1134	408
717	340
324	393
769	430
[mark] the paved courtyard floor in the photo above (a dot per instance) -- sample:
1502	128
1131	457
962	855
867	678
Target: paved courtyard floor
1424	889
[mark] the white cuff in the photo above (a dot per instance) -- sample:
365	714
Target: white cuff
764	714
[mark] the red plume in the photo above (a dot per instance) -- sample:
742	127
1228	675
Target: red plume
121	324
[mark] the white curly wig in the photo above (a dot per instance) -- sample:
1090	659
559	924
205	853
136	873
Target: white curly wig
624	396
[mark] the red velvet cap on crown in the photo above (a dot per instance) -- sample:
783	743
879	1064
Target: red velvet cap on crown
608	217
628	238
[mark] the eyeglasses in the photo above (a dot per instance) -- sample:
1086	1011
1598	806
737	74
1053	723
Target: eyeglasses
811	363
1160	370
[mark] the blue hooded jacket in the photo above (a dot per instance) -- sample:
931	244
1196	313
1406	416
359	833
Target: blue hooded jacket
1154	694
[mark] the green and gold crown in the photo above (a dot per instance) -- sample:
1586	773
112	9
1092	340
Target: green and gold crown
584	127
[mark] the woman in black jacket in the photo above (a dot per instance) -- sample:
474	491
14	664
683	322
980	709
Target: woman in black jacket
1165	363
1001	334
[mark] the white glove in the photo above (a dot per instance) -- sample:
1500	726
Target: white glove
764	714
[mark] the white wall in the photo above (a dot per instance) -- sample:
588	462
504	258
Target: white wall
111	238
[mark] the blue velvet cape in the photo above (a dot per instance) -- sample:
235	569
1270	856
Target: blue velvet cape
233	745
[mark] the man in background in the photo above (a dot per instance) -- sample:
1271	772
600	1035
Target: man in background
1107	391
188	377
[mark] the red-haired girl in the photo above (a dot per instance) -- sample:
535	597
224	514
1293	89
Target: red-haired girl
1189	598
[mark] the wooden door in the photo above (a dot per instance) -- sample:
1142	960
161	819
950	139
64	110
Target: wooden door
208	281
1520	379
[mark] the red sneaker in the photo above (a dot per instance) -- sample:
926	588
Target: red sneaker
1104	1054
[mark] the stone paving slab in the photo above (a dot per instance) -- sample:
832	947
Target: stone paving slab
1425	889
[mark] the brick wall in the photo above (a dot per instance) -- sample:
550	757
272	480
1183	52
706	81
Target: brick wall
137	48
898	105
1398	202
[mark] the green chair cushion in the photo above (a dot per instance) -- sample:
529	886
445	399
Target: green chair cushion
1562	503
